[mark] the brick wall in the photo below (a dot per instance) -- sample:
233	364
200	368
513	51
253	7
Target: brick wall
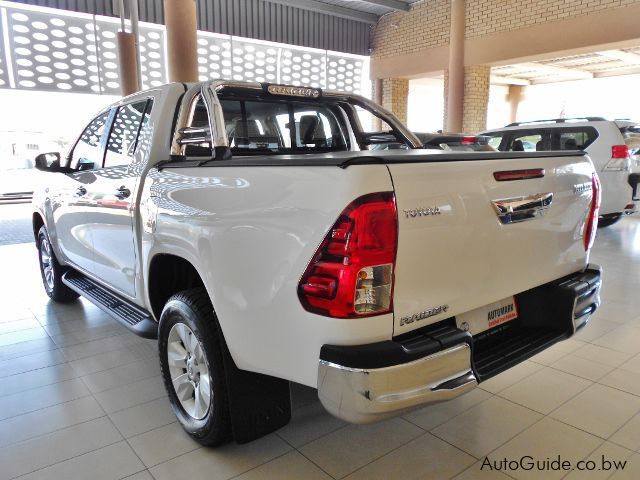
395	93
425	26
476	98
485	17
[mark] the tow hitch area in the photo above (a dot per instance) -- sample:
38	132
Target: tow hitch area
366	383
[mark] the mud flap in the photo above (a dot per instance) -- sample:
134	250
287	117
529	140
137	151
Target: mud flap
258	404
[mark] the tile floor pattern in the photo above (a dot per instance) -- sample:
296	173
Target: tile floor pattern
81	397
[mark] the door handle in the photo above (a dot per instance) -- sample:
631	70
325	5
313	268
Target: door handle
81	191
123	192
519	209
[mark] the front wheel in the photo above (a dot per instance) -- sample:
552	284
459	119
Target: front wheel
605	221
192	366
51	271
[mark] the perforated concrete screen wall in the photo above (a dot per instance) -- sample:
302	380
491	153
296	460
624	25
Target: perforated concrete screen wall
54	50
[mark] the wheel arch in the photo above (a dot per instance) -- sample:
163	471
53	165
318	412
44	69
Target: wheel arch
167	275
38	222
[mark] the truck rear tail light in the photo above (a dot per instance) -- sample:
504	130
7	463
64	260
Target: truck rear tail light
620	159
591	225
351	273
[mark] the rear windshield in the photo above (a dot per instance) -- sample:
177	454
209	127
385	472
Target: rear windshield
543	139
282	126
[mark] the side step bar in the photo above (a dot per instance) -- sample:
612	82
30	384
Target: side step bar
135	318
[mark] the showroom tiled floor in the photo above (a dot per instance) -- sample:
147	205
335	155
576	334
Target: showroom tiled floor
81	397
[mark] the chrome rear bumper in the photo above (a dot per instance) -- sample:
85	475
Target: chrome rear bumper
368	383
360	395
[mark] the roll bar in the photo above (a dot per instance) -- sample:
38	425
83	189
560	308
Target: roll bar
184	134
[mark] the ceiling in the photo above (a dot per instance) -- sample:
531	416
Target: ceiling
368	11
605	63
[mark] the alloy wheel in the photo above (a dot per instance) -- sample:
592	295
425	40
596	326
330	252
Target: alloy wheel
189	371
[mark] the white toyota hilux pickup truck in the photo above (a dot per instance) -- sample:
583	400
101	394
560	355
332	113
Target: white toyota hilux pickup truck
253	231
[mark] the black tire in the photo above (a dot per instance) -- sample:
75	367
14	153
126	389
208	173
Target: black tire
193	308
52	280
605	221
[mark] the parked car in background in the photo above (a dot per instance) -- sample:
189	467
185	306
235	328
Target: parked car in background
459	142
608	143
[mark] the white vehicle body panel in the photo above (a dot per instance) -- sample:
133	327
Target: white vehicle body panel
492	261
250	232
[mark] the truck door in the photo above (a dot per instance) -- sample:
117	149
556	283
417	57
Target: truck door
72	202
113	198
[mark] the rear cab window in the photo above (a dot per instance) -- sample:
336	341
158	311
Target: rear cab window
279	126
276	126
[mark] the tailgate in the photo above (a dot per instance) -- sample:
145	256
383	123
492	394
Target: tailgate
455	255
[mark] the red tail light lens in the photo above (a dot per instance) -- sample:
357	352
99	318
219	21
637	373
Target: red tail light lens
351	273
591	225
468	140
619	151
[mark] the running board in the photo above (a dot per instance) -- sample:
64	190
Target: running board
135	318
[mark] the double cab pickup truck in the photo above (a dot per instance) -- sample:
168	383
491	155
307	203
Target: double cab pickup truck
257	233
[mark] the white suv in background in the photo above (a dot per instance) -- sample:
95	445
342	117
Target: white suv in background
608	143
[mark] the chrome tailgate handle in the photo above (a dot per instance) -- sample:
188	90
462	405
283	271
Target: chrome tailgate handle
520	209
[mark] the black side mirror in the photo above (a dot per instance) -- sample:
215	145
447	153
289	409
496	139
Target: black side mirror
48	162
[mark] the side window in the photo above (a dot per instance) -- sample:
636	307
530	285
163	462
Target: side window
527	141
124	133
576	138
87	154
495	139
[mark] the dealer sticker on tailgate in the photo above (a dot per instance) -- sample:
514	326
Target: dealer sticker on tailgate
489	316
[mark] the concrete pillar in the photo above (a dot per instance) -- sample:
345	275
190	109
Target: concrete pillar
476	98
182	57
395	95
127	63
455	72
515	95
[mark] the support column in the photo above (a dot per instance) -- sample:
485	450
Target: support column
181	22
395	94
476	98
127	63
515	95
455	73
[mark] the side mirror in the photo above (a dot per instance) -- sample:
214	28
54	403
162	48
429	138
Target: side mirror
48	162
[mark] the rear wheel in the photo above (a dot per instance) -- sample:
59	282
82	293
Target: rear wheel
605	221
192	366
51	271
